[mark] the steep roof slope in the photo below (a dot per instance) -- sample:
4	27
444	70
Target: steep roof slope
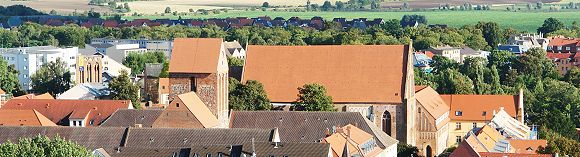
33	96
195	55
350	73
130	117
432	102
474	106
92	138
59	110
23	118
198	109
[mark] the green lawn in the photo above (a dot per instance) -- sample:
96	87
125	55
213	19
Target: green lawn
524	21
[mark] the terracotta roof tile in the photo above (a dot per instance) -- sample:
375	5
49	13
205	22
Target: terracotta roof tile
563	41
465	149
2	91
198	109
33	96
432	102
130	117
23	118
195	55
373	73
552	55
527	146
486	154
58	111
473	107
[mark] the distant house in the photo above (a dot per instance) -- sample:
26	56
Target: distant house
564	61
564	45
164	46
235	49
467	52
132	118
516	49
77	113
352	141
452	53
422	61
469	113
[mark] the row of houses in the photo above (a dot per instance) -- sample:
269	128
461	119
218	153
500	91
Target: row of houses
225	23
372	87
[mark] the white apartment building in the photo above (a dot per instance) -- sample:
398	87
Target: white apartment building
27	60
164	46
115	51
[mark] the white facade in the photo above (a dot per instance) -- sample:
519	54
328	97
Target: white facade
116	51
113	67
164	46
27	60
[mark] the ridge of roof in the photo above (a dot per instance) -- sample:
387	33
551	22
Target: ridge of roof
195	55
198	109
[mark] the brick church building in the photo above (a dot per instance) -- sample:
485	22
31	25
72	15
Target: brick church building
200	65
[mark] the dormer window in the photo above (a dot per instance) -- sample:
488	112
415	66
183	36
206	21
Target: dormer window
458	113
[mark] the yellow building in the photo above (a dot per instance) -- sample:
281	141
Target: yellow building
89	69
471	112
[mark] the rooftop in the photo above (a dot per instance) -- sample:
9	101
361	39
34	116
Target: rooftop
374	73
195	55
479	107
23	118
130	117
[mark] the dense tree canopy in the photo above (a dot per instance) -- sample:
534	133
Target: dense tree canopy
8	78
550	25
249	96
137	61
42	146
123	89
52	77
313	97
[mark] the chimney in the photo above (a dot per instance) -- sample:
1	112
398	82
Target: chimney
521	114
276	138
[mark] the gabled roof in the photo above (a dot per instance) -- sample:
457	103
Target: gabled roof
494	154
466	148
198	109
555	56
307	126
373	73
58	111
527	146
287	149
181	137
563	41
23	118
473	107
350	136
32	96
130	117
432	102
92	138
509	126
195	55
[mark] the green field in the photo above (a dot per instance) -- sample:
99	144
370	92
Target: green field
524	21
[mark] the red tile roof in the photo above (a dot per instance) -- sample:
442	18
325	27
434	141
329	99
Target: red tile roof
552	55
195	55
486	154
527	146
32	96
433	103
58	111
564	41
23	118
350	73
110	23
474	106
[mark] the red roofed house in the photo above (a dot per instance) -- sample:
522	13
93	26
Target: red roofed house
33	96
200	65
432	118
186	111
471	112
23	118
375	80
564	45
564	61
79	113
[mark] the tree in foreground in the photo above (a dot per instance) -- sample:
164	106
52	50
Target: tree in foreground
313	97
558	144
52	77
43	146
123	89
8	78
250	96
405	150
573	77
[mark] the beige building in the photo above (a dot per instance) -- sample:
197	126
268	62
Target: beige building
90	68
452	53
432	120
471	112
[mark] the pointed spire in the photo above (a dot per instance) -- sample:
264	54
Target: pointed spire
345	151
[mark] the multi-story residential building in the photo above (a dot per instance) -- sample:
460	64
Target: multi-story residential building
452	53
352	141
374	80
200	65
164	46
115	51
470	112
27	60
432	120
91	68
564	61
561	44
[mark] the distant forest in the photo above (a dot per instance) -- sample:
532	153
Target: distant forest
18	10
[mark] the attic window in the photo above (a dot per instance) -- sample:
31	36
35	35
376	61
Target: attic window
484	113
458	113
177	104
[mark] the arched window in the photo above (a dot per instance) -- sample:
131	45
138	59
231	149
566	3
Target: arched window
387	123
